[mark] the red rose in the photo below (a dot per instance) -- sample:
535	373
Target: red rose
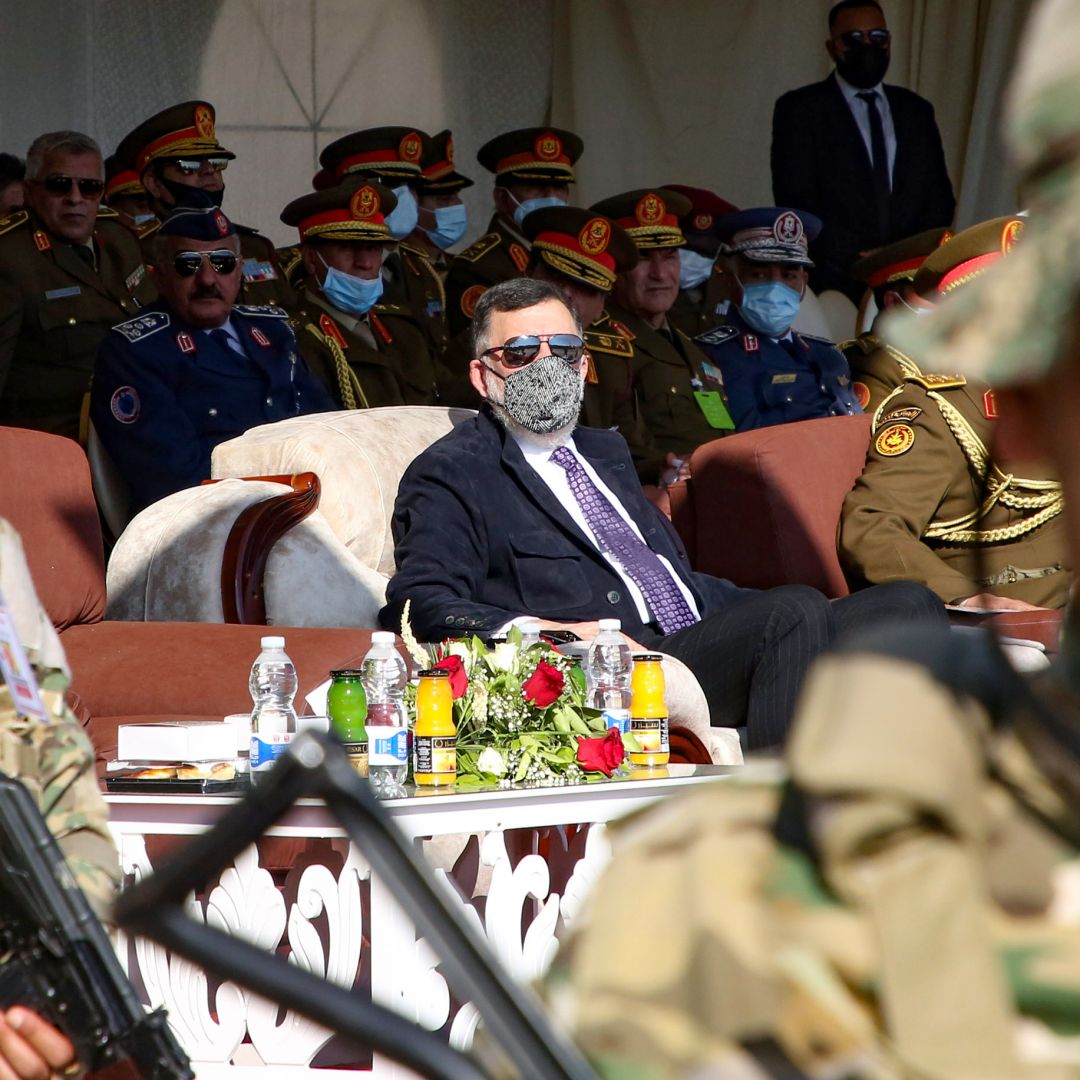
459	681
544	685
601	754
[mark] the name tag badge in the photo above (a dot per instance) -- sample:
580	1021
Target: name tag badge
711	404
788	377
16	669
60	294
712	373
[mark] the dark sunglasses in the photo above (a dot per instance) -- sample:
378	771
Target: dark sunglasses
519	351
57	184
187	263
194	166
854	38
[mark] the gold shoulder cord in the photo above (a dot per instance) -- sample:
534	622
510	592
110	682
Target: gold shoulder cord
348	383
1044	496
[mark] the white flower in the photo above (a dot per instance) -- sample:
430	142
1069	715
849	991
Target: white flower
504	657
491	761
461	648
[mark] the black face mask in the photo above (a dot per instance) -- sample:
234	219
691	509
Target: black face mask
181	192
863	66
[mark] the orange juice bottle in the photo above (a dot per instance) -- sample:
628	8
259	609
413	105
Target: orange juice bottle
648	711
434	737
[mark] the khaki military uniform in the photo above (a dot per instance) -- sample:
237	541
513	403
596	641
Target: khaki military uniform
54	760
889	919
411	280
666	372
498	255
54	311
918	511
877	369
700	309
381	358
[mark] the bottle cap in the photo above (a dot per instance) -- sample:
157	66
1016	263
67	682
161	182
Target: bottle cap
644	657
346	673
433	673
382	637
609	624
272	643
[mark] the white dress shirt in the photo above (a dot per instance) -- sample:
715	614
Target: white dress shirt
554	476
860	109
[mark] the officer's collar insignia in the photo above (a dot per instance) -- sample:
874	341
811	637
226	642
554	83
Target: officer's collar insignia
332	330
184	340
260	337
989	405
41	241
750	343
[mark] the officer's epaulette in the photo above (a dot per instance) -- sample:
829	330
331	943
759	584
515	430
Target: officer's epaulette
865	344
717	335
482	246
412	249
395	310
245	230
270	311
13	221
936	382
820	340
615	344
147	228
143	325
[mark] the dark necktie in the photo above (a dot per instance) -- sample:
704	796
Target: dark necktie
86	253
224	340
880	162
663	598
792	348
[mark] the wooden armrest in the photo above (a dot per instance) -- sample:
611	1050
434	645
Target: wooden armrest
256	530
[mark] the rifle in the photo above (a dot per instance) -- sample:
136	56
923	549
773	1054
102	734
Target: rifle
316	766
56	959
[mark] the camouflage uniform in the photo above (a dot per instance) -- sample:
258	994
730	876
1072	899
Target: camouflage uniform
55	761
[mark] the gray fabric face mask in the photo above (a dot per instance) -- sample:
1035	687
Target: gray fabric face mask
545	395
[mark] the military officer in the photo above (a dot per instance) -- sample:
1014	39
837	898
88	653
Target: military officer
125	194
176	150
369	352
68	271
197	368
392	156
888	274
704	280
12	188
679	392
773	374
442	219
934	504
533	168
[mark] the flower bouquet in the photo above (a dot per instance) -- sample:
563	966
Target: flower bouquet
521	714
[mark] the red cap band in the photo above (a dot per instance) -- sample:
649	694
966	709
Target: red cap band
572	244
967	269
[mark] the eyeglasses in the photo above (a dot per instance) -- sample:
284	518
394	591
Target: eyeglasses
519	351
194	166
57	184
854	38
187	263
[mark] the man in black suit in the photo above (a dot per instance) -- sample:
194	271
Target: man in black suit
520	512
864	157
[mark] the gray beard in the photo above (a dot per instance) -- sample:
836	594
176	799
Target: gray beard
546	440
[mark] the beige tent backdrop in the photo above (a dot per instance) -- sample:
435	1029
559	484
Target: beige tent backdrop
660	90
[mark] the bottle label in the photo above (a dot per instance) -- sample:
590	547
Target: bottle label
358	756
435	754
651	735
267	746
617	718
388	745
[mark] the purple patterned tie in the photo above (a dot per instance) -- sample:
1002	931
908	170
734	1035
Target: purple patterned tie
641	564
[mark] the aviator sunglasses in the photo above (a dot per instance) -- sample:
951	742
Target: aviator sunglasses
57	184
853	38
192	166
519	351
187	263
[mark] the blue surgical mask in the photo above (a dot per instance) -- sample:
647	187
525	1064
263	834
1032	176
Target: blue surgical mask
529	205
349	293
770	307
694	269
450	225
402	219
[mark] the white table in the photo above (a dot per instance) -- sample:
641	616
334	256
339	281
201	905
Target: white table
527	858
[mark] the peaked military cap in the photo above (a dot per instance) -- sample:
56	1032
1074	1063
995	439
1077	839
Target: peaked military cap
706	209
198	219
390	153
355	210
437	167
543	154
649	215
184	130
770	234
966	255
121	179
900	261
581	244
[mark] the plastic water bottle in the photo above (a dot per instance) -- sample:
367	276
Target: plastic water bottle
530	632
384	677
608	673
273	686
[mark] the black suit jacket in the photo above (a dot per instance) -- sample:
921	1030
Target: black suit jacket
481	539
820	164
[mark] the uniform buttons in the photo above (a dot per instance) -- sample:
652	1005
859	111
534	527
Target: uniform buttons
674	389
72	321
449	620
212	412
269	401
613	597
787	398
822	388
